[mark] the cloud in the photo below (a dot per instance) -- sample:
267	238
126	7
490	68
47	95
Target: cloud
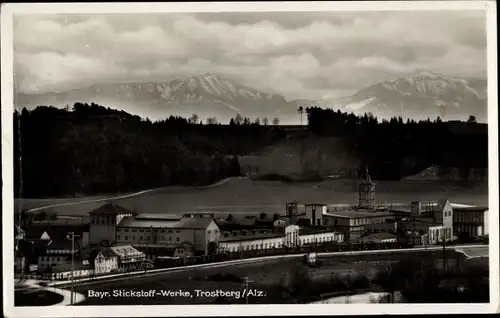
297	54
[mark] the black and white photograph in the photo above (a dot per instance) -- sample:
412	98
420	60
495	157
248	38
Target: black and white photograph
317	157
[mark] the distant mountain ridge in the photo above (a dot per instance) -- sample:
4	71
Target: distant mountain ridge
205	95
420	95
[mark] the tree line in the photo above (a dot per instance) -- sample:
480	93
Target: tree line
394	148
90	149
236	120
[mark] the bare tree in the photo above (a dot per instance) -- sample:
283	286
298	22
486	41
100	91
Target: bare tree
265	121
193	119
211	121
238	119
472	119
257	121
276	121
301	112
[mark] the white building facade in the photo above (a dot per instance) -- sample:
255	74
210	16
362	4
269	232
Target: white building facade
144	230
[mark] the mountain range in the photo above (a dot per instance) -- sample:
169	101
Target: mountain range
421	94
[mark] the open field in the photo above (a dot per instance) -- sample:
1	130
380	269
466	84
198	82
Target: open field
263	275
242	195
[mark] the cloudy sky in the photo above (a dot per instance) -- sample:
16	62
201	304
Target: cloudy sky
299	55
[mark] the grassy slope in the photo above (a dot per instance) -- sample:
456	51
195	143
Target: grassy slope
243	195
300	154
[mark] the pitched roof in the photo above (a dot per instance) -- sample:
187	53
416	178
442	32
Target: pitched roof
315	230
111	209
470	208
441	203
107	252
55	231
184	223
383	235
160	216
130	221
61	245
251	237
357	214
164	250
76	222
194	223
125	251
242	220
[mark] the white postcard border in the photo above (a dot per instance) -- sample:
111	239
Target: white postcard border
7	11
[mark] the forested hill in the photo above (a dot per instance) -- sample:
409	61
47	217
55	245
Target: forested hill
395	148
91	149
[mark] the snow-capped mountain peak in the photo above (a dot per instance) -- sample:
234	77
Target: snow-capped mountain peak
425	74
422	93
208	94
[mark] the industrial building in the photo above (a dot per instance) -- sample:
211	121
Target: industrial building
292	236
424	223
470	221
116	239
250	242
57	253
103	223
149	230
379	238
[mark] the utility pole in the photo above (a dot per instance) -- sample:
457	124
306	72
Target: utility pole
246	281
444	253
72	264
72	234
20	209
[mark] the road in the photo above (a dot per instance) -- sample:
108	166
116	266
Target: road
474	251
265	275
117	197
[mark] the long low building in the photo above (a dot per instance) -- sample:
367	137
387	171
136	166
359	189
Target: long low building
250	242
291	237
319	236
350	222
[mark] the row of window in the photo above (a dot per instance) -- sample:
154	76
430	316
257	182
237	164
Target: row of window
381	230
147	231
438	234
279	244
242	233
100	260
147	239
157	231
102	219
48	259
106	268
469	217
320	239
254	247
